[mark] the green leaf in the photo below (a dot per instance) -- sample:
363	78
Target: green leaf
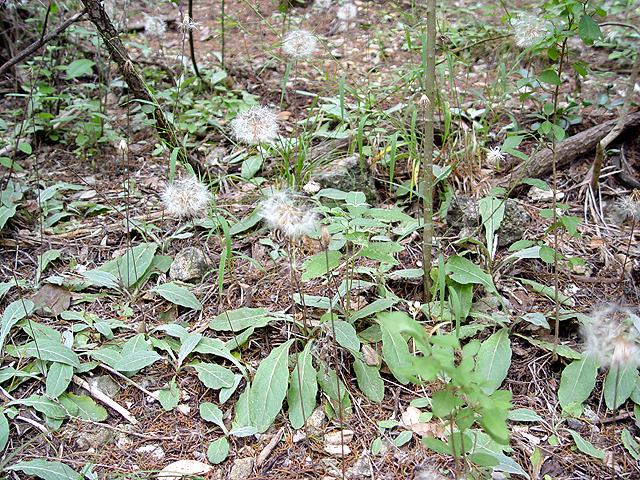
548	291
491	211
46	470
6	213
42	405
345	335
402	438
376	306
211	413
376	446
494	359
620	384
58	379
550	76
269	387
438	446
589	30
218	451
303	387
390	215
577	381
169	397
84	407
395	352
4	431
80	67
369	380
240	319
51	351
137	361
214	376
187	346
524	415
627	439
316	265
178	295
129	268
44	260
101	279
14	312
463	271
585	446
245	224
331	386
251	165
225	393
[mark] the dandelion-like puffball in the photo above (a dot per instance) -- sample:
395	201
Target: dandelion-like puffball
299	44
494	156
256	125
323	3
347	12
280	212
527	29
630	205
155	26
186	197
611	337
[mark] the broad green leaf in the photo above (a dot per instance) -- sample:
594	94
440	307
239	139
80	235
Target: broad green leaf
331	386
14	312
345	335
238	320
51	351
42	405
269	387
4	431
562	350
251	165
588	29
402	438
548	291
437	446
376	446
225	393
137	343
316	265
169	397
187	346
80	67
585	446
137	361
101	279
242	410
464	271
369	380
577	381
376	306
211	413
507	465
627	439
214	376
58	379
536	318
303	387
494	360
44	260
84	406
550	76
390	215
524	415
212	346
131	266
620	384
245	224
395	352
218	451
108	355
178	295
46	470
491	211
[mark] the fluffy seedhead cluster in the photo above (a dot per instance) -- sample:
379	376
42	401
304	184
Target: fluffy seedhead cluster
299	44
256	125
155	26
186	197
494	156
612	337
347	12
282	211
188	24
527	29
630	205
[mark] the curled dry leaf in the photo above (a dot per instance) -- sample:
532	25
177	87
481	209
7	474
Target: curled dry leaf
410	419
370	356
51	300
184	467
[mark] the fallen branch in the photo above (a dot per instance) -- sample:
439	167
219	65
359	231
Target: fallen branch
98	395
567	151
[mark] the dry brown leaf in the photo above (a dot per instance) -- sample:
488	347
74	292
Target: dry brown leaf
185	467
51	300
370	356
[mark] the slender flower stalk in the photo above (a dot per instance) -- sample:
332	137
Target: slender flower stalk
630	208
186	197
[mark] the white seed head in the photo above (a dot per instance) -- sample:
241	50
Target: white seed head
311	187
347	12
256	125
494	156
281	211
186	197
612	338
424	102
155	26
630	205
299	44
326	4
123	147
527	29
188	24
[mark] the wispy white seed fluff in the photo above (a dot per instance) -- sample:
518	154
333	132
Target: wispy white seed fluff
612	338
280	210
323	4
256	125
299	44
527	29
494	156
630	206
186	197
155	26
347	12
